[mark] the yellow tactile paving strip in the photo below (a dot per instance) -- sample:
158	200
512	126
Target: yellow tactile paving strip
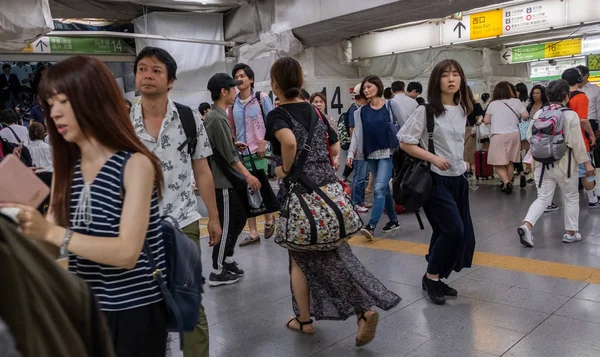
525	265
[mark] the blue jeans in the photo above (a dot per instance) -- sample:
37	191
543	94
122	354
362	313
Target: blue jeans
382	172
359	181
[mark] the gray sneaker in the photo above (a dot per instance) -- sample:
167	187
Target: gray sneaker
526	236
567	238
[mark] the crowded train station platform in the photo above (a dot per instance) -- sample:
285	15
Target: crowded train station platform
306	178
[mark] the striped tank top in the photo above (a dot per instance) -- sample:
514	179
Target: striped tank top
115	288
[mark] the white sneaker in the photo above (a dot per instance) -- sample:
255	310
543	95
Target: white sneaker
361	209
526	236
567	238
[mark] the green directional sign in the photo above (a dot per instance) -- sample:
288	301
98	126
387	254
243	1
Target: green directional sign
108	46
528	53
79	46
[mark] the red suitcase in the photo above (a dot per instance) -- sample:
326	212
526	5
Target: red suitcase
483	170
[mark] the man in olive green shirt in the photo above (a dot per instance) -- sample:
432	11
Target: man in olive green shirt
232	214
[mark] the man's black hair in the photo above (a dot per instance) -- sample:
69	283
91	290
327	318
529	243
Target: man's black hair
584	70
304	94
249	72
9	116
203	107
557	90
162	56
398	86
6	65
387	93
414	86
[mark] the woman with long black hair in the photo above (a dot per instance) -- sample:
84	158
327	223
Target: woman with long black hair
104	203
447	208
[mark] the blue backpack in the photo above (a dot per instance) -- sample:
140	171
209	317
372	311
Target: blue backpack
182	286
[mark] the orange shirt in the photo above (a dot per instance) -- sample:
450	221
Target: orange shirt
580	105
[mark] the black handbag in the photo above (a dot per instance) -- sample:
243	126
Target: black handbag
270	203
412	180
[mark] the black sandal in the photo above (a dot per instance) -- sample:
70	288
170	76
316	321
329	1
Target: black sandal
301	329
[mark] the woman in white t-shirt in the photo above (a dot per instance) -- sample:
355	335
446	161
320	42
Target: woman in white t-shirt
504	113
447	208
41	153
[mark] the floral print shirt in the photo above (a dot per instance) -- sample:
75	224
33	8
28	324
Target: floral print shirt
178	198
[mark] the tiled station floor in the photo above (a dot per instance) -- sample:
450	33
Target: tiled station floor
514	301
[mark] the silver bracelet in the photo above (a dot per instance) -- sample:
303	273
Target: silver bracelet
65	243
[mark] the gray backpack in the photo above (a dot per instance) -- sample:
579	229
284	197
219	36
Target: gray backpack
547	141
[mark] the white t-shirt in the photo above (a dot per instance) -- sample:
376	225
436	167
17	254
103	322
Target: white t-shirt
23	73
504	120
21	132
407	106
41	155
593	93
448	137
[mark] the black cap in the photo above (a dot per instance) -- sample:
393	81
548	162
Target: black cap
572	76
220	81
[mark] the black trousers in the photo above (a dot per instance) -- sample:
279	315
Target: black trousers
139	332
453	240
232	216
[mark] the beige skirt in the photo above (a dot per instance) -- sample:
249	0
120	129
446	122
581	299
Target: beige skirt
504	149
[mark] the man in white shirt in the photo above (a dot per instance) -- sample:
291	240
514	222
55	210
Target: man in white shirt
593	93
407	104
158	123
13	133
24	72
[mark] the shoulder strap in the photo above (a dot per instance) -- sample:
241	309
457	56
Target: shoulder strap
388	105
430	128
189	127
257	95
512	110
15	134
306	148
145	247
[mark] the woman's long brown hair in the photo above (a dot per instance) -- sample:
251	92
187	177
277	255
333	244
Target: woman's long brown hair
434	90
98	106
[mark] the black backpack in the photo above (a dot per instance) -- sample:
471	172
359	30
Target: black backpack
189	128
9	147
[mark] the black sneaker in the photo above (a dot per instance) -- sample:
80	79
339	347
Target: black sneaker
368	231
434	290
508	188
523	181
233	267
551	208
225	278
390	226
447	290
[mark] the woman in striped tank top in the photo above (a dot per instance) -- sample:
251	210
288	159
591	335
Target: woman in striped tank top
102	230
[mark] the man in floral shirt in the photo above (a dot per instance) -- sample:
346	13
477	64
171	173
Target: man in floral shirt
158	125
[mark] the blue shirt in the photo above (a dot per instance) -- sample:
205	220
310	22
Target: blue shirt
251	110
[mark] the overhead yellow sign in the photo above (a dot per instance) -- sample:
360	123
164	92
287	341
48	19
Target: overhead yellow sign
486	24
563	48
